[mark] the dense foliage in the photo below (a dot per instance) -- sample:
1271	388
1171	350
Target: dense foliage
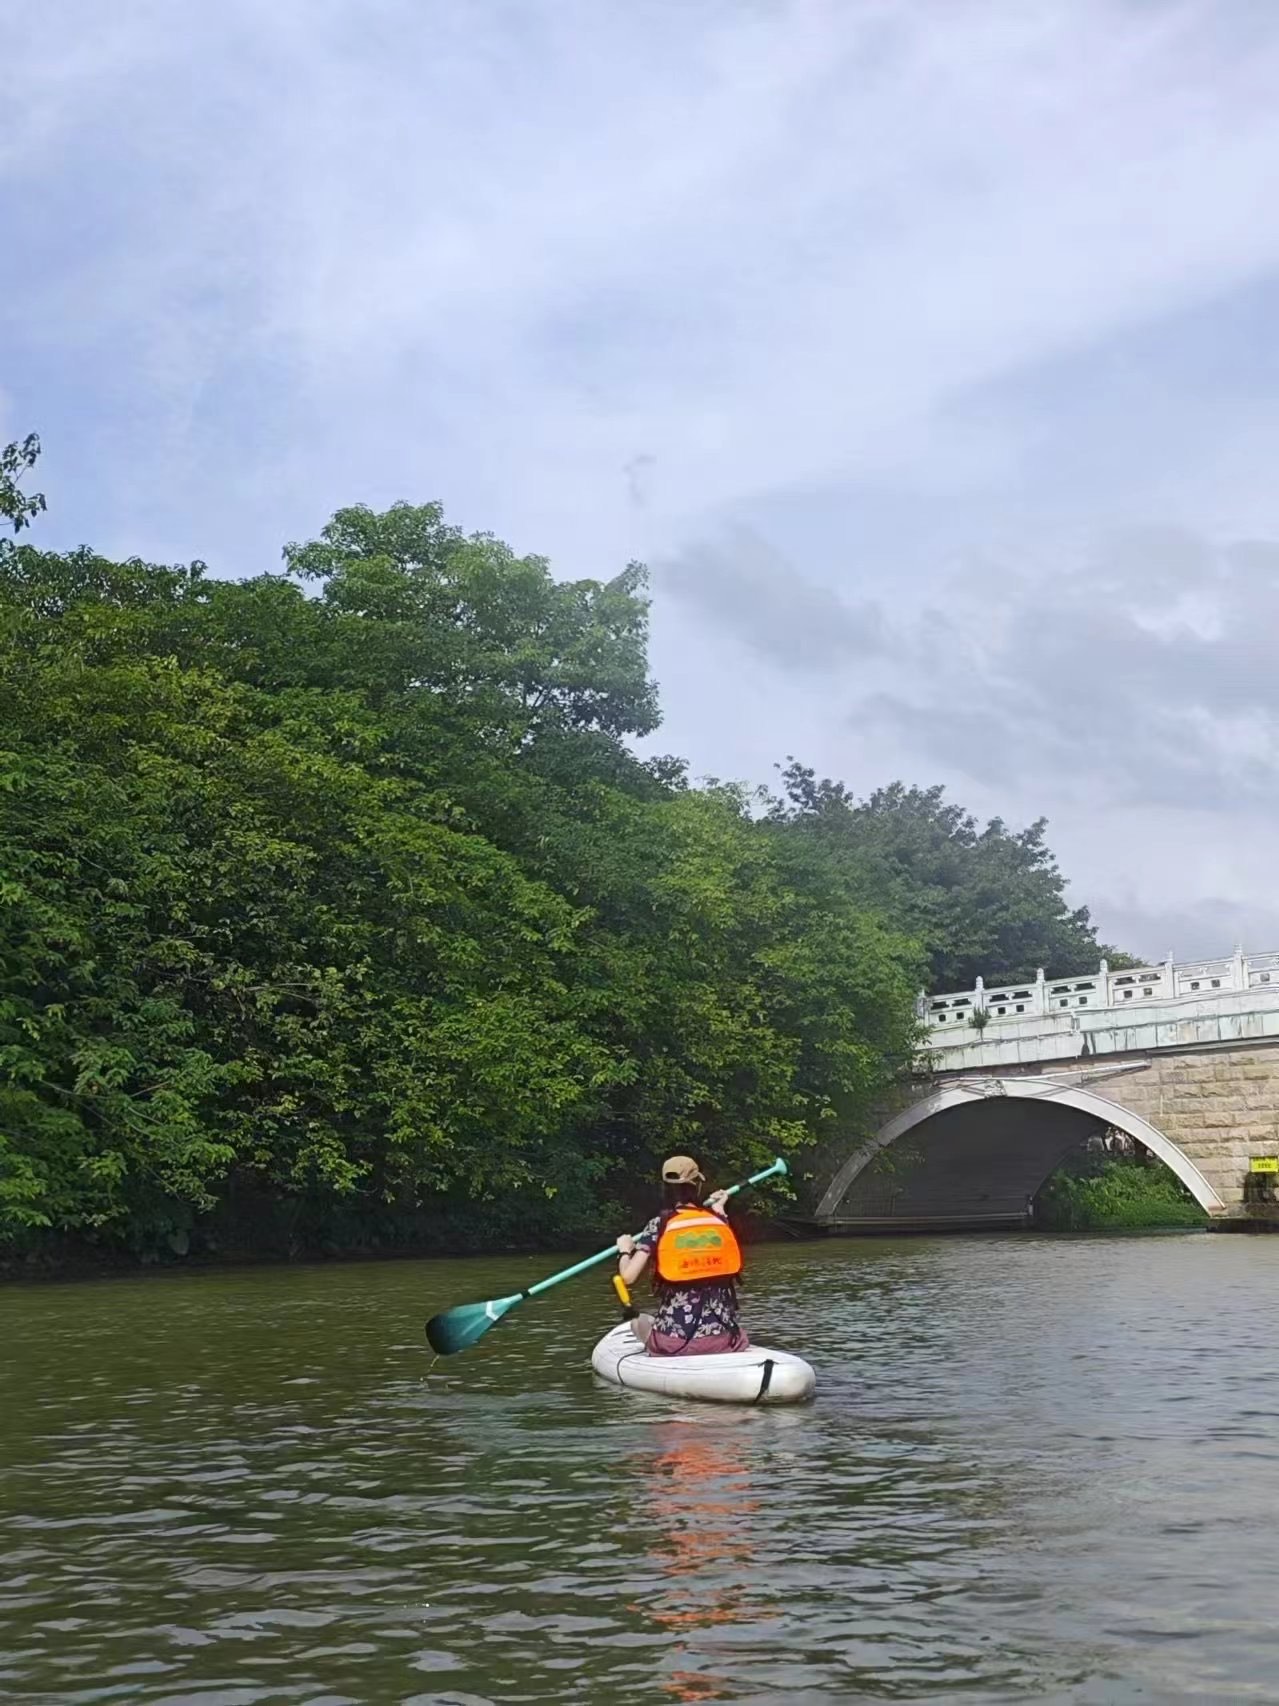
987	902
1116	1196
341	891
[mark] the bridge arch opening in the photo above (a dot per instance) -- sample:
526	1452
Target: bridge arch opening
977	1152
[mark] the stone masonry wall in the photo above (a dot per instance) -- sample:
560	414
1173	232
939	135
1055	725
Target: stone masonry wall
1220	1107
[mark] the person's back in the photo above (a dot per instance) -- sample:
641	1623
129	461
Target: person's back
696	1265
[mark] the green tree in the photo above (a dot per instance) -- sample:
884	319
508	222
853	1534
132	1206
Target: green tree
496	633
343	886
751	1005
18	508
986	902
371	989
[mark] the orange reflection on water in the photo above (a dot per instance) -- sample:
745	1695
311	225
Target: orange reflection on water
699	1510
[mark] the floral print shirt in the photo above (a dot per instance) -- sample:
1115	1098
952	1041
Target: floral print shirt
690	1313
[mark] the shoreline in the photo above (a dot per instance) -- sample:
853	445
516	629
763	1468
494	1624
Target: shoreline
75	1267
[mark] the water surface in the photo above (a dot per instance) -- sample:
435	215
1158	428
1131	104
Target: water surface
1035	1470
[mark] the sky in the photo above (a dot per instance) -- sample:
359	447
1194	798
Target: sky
925	350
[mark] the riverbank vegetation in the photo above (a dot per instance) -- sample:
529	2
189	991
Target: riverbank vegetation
338	908
1116	1194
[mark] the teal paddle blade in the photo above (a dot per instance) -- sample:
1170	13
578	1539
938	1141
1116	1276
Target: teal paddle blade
457	1329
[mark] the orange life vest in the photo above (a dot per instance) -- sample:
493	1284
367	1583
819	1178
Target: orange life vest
695	1244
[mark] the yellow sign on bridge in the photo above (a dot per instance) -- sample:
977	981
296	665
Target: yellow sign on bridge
1264	1164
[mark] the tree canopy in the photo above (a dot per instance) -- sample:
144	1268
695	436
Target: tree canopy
343	888
982	901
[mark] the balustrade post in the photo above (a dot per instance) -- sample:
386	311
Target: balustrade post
1041	994
1239	969
1103	983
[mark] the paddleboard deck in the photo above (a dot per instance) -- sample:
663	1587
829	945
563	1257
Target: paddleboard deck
755	1376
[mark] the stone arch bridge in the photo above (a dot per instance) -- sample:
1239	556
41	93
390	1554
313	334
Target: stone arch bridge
1182	1059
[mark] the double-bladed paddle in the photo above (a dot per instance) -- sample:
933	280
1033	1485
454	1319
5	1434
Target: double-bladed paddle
459	1328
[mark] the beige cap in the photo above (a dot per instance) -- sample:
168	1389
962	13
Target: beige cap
682	1170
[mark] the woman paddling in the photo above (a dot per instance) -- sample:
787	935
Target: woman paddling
696	1264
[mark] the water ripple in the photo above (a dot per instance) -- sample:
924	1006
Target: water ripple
1036	1470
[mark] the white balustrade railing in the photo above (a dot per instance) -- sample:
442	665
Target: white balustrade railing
1041	997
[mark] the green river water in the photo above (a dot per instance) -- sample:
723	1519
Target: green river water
1036	1469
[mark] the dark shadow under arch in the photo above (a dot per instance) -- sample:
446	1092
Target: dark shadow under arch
979	1150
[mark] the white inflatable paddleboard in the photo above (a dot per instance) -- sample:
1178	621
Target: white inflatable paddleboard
756	1376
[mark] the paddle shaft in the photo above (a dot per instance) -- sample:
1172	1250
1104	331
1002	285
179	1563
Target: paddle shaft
778	1166
629	1311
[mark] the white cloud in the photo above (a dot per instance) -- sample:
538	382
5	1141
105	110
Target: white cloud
762	243
274	258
